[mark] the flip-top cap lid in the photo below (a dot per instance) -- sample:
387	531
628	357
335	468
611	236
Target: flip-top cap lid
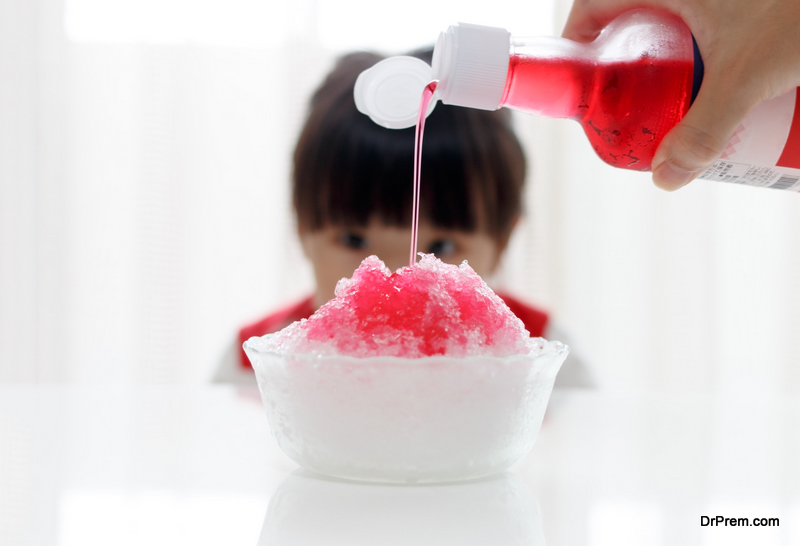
390	91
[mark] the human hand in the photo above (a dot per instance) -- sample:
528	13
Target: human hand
750	52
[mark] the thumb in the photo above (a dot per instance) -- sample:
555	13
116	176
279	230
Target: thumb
695	143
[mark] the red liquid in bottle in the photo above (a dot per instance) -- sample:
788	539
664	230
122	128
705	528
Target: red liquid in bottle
625	107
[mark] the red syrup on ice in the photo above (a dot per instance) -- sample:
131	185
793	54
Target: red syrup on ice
624	107
432	308
427	95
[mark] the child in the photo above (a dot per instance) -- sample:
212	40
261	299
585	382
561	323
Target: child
352	193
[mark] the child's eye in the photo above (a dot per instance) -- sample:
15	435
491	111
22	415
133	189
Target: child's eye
442	247
353	241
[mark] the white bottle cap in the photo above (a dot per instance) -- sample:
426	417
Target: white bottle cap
471	64
390	92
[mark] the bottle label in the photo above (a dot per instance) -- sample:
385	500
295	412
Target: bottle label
765	149
778	178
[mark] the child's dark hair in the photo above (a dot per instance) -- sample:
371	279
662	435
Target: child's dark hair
348	170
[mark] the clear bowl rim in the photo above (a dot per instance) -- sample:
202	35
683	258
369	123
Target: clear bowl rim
548	348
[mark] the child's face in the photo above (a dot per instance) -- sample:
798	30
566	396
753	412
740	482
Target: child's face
336	252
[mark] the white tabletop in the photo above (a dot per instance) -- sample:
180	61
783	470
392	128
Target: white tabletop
160	465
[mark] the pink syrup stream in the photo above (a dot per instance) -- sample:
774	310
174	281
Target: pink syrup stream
427	95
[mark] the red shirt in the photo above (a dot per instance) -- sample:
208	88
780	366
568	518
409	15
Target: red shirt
534	319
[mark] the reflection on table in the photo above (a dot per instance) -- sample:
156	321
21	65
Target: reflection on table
159	465
311	510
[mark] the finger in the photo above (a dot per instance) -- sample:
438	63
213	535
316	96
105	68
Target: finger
583	23
693	145
587	18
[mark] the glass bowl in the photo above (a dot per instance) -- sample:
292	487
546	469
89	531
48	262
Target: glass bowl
404	420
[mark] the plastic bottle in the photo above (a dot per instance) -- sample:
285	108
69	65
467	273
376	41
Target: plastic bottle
627	89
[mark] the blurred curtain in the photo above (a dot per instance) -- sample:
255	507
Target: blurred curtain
144	190
144	207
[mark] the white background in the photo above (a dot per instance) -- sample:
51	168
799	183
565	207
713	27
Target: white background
144	205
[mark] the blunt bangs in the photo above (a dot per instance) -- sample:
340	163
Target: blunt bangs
349	170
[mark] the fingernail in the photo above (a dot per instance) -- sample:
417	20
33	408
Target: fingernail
670	177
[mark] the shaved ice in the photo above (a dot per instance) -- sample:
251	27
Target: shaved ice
426	309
